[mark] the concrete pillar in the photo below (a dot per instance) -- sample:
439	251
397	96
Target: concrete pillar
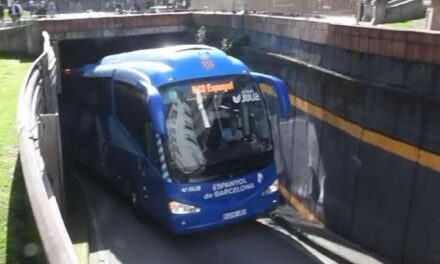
34	40
359	11
379	12
433	15
367	10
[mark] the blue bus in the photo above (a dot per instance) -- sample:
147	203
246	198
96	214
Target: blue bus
184	132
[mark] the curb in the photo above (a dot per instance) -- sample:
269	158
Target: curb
302	237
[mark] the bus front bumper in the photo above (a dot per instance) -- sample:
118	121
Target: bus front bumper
216	216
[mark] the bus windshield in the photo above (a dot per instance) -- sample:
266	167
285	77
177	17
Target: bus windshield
216	128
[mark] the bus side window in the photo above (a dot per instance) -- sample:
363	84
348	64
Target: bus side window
94	100
132	112
95	94
104	95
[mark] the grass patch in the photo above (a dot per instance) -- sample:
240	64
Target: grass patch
19	242
409	24
405	24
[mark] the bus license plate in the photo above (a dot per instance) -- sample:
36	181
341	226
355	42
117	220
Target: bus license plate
234	214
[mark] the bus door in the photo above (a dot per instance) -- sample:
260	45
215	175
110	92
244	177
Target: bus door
150	183
126	134
92	112
103	111
134	155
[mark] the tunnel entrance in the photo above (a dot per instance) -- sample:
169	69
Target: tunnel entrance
74	53
76	101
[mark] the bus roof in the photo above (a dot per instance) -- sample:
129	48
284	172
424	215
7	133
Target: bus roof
168	64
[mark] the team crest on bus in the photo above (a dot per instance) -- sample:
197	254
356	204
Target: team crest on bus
207	62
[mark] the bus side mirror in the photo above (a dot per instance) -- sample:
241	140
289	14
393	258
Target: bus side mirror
281	91
155	107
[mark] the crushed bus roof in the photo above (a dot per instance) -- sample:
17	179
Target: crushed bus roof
169	64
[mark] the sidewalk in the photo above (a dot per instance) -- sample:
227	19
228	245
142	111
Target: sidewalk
323	240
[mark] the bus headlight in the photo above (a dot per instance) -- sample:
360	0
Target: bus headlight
272	188
180	208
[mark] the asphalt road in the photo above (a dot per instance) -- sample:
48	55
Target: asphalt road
123	238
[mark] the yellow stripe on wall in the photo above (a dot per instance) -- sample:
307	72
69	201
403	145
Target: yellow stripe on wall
429	160
298	205
397	147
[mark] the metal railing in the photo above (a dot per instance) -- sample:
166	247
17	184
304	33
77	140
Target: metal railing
287	7
40	154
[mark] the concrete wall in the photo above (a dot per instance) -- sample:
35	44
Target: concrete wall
365	150
393	11
290	7
405	10
25	40
115	26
